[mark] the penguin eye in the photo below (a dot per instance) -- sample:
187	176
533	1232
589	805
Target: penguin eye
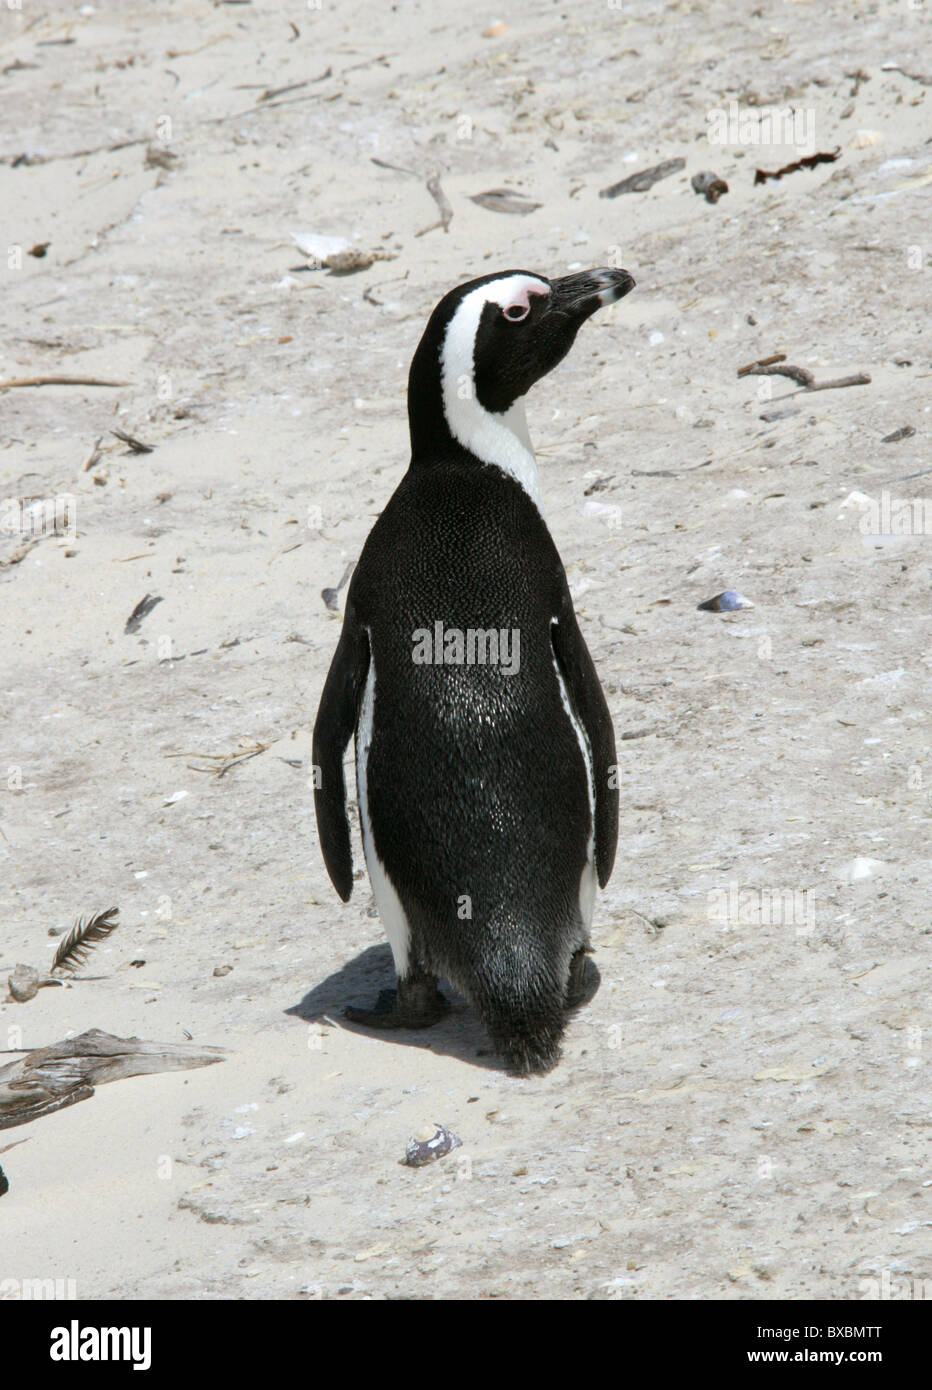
516	312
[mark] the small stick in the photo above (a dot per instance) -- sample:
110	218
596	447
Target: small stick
762	362
858	379
94	455
29	159
798	374
14	559
906	477
331	596
264	105
384	164
59	381
189	52
913	76
272	92
803	377
223	761
354	67
440	198
136	445
244	757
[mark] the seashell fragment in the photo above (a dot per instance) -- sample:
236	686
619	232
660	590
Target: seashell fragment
860	868
320	248
865	139
431	1142
505	200
728	601
334	253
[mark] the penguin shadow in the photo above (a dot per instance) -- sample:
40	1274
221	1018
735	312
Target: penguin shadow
459	1034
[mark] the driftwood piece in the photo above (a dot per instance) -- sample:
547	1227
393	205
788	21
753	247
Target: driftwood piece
644	179
49	1078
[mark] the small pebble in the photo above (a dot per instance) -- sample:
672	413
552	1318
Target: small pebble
862	867
24	983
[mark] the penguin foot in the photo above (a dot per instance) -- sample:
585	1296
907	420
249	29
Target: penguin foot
416	1003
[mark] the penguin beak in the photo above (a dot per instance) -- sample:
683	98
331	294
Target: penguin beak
581	294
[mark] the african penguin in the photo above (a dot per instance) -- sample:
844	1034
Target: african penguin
484	747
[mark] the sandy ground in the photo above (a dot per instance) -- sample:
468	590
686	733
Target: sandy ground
741	1110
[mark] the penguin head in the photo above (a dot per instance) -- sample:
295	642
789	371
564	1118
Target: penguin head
526	325
488	342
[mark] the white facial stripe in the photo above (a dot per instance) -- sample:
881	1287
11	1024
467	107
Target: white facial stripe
514	289
520	297
499	439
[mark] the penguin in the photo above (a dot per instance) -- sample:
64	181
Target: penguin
485	753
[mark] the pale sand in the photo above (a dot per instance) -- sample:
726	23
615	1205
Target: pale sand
738	1113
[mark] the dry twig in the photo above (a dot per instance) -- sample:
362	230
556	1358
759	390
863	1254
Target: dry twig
440	198
59	381
803	377
137	446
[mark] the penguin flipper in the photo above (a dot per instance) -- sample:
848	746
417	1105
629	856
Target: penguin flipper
333	728
589	704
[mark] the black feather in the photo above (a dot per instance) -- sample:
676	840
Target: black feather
81	940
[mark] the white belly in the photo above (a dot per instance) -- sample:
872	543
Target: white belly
387	901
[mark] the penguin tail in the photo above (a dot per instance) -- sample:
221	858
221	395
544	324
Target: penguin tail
526	1020
529	1054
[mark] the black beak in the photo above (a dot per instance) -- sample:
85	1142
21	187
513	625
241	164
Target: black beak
581	294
